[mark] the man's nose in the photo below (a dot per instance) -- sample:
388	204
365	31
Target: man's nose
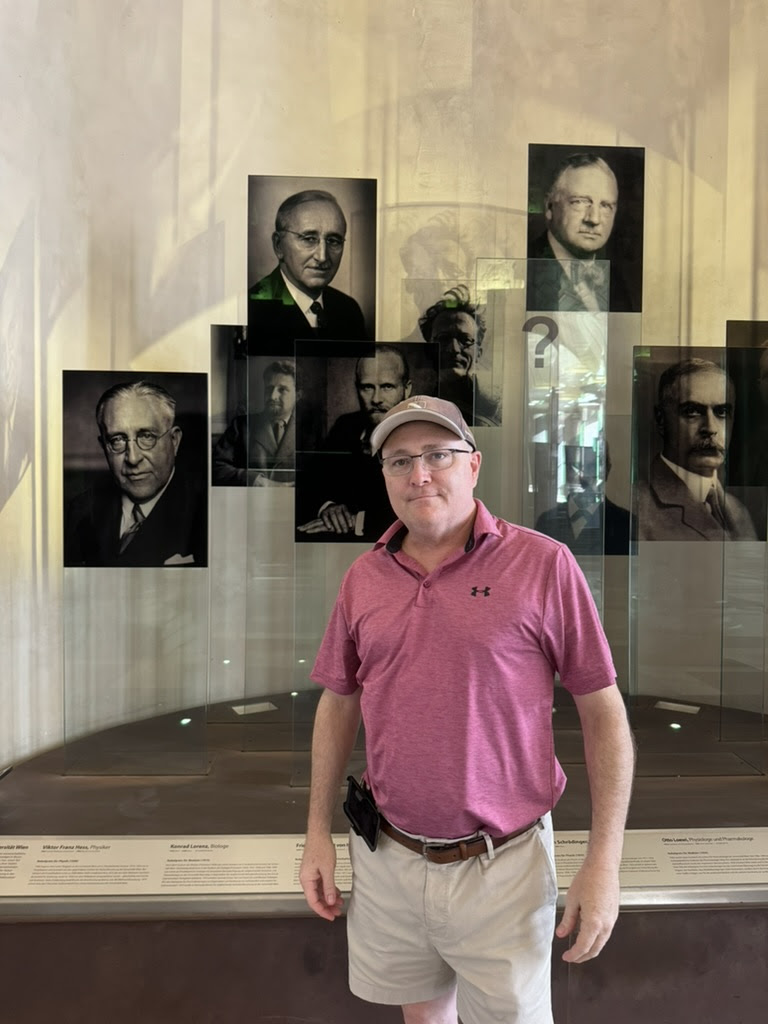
710	424
419	472
133	453
592	213
321	251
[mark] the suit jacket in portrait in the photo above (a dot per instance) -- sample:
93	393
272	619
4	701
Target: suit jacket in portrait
175	533
606	530
550	288
344	473
275	321
666	510
248	453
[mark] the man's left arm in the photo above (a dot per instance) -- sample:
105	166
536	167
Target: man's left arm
592	902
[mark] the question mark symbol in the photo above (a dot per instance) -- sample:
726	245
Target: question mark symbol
548	339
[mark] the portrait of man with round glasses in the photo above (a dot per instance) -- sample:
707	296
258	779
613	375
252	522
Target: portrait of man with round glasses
311	241
151	508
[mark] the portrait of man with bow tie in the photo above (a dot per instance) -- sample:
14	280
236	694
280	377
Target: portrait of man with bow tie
321	233
585	230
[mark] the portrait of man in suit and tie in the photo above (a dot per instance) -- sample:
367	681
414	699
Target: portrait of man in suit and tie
683	497
585	237
312	240
150	508
259	449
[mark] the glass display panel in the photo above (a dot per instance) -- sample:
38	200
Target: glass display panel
135	579
697	586
135	650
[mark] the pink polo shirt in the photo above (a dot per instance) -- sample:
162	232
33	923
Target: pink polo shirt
457	671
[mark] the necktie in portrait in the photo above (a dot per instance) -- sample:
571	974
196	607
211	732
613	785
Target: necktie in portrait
133	529
317	309
715	506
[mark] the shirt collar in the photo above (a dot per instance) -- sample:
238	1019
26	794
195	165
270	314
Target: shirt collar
485	523
302	300
564	258
698	485
146	506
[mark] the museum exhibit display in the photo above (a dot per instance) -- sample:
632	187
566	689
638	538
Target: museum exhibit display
232	239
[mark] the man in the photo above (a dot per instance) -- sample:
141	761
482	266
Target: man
296	299
260	450
446	636
458	327
684	498
354	503
588	522
579	210
150	514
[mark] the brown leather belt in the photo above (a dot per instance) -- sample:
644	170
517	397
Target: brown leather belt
449	853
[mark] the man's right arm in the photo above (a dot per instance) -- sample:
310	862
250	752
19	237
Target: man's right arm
337	721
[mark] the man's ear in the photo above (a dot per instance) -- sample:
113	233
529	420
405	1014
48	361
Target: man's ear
276	247
548	209
175	438
407	390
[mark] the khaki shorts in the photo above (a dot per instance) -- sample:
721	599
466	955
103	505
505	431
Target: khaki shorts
415	929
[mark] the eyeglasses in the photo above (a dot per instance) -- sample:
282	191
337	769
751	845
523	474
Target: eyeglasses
435	461
145	439
310	240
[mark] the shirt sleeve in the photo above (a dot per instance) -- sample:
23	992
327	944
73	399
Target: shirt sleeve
337	662
572	634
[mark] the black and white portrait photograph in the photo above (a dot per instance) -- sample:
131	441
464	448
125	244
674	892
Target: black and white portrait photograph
688	409
254	438
311	260
457	325
135	453
585	228
340	492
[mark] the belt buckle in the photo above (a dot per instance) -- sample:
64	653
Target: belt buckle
446	848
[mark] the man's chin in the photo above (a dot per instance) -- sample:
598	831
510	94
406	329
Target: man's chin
142	493
705	465
313	284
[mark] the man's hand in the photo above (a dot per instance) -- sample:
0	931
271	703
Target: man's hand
332	519
317	877
591	906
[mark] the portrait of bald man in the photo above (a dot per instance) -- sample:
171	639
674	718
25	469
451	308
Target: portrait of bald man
585	229
340	493
313	236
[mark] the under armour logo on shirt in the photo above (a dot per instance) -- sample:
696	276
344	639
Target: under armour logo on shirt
485	591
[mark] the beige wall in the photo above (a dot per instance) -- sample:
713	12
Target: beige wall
128	133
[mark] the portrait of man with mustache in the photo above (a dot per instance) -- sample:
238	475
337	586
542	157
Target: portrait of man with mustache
684	498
